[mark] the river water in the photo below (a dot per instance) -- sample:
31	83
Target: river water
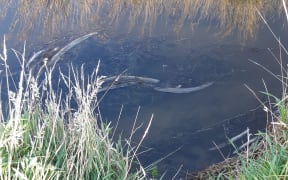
176	43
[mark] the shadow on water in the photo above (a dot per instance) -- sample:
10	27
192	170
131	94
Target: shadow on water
180	43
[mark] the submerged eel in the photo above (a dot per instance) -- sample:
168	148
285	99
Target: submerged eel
179	90
139	79
57	56
115	81
62	51
124	81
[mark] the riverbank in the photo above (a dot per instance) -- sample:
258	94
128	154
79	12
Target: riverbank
49	133
267	158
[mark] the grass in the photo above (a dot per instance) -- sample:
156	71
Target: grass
43	137
271	164
268	158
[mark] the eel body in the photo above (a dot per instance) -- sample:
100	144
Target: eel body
124	81
63	50
178	90
139	79
57	56
113	82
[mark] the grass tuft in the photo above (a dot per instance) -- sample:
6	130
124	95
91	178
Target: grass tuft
43	137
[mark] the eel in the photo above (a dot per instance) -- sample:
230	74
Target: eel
56	57
115	81
33	58
178	90
124	81
106	88
120	78
63	50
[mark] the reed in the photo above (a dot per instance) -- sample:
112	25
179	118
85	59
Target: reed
42	136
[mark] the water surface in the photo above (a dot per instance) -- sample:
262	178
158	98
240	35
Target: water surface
176	43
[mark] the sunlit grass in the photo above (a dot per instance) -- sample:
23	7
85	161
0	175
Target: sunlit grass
42	136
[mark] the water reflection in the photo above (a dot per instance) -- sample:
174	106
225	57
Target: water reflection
48	19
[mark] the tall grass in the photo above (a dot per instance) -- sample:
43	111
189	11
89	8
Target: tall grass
268	159
42	136
271	162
